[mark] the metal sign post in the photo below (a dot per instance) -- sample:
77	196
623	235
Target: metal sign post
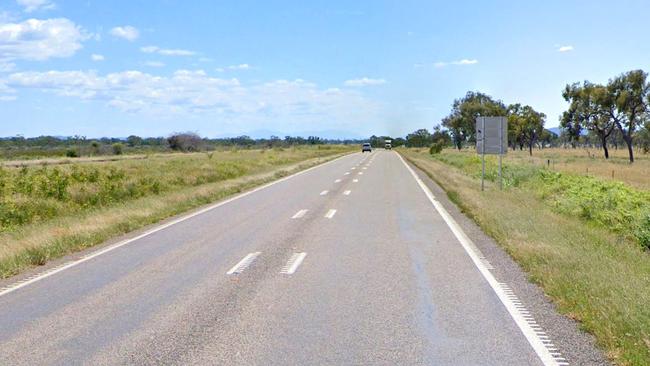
491	138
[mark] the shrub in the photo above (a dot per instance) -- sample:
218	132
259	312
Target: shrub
118	148
72	153
437	147
186	142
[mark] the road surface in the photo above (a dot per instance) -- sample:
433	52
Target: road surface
349	263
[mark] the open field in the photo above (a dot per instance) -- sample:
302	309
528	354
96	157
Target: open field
556	227
49	211
590	161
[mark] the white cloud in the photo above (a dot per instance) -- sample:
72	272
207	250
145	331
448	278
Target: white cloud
364	82
565	49
465	62
34	5
96	57
154	64
35	39
126	32
167	51
195	92
239	67
462	62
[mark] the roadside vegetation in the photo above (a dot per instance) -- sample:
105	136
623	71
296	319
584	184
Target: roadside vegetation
575	208
583	238
51	210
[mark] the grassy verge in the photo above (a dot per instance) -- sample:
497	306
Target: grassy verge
87	213
595	274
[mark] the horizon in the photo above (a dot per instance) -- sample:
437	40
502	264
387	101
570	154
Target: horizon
349	70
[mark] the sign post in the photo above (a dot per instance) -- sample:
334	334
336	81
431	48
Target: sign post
491	138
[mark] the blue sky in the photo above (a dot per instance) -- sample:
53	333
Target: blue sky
336	68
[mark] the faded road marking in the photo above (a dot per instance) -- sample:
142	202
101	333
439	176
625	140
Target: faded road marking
243	264
293	263
299	214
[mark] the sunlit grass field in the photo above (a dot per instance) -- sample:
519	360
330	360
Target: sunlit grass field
50	210
591	161
582	237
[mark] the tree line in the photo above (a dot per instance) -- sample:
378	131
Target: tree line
75	146
525	124
622	105
615	113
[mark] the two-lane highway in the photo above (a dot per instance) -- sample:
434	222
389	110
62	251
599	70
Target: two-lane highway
350	262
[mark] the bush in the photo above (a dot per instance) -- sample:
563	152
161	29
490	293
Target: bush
118	148
437	147
185	142
72	153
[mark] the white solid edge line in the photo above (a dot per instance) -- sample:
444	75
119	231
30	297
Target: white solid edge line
297	260
55	270
536	342
244	263
330	214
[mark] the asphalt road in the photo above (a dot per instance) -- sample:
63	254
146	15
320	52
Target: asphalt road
348	263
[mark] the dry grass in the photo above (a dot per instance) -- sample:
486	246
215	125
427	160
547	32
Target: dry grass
187	187
592	274
591	162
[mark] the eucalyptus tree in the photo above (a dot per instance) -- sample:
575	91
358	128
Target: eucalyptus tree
591	107
629	92
461	122
525	125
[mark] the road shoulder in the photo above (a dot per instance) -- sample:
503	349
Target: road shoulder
578	347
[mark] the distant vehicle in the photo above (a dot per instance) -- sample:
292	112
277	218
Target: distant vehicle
388	146
366	147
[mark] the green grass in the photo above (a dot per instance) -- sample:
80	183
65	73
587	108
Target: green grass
594	271
605	203
50	211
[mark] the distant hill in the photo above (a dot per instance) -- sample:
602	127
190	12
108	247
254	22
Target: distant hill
555	130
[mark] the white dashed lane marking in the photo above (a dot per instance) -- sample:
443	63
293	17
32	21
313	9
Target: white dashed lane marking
347	193
355	180
337	181
299	214
293	263
360	173
323	193
346	173
330	214
243	264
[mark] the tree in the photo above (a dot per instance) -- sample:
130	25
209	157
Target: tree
95	147
398	141
441	136
118	148
629	93
590	106
134	140
185	141
461	122
526	125
419	138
